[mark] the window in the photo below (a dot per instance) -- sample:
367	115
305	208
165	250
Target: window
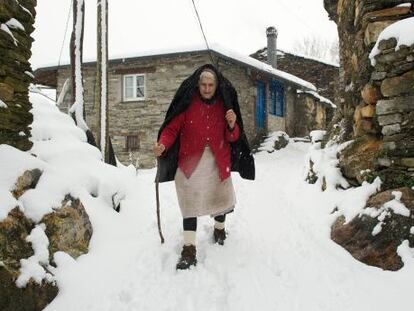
277	98
134	87
131	142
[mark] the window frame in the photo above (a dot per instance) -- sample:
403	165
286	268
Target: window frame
134	98
277	108
127	142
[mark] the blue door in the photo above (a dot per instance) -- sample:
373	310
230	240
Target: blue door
261	105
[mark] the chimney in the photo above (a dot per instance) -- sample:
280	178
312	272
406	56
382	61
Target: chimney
271	34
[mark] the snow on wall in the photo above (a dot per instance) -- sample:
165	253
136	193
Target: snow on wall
29	74
401	30
14	23
25	9
5	28
2	104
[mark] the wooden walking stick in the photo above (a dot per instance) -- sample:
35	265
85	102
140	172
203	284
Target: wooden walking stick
157	194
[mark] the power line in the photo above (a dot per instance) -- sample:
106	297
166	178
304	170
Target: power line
202	30
66	30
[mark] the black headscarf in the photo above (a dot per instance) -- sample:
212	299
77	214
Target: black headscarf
242	160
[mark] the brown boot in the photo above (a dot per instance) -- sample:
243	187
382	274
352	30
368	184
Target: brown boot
188	257
219	236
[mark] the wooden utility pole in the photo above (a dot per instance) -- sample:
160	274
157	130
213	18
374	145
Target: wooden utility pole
77	109
102	80
76	56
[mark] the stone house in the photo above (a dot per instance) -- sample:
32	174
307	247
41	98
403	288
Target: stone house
314	110
141	88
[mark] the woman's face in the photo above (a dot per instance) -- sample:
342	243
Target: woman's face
207	87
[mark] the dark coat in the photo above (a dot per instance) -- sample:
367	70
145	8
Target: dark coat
242	160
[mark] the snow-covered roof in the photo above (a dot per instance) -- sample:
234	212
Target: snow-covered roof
401	30
320	98
320	60
281	53
264	67
227	53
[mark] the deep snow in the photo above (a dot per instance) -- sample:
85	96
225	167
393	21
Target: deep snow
278	255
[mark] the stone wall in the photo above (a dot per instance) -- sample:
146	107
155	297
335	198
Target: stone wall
310	115
371	99
144	118
394	78
275	123
290	110
15	72
246	90
376	112
359	24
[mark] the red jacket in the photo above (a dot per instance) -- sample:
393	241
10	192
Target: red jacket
199	125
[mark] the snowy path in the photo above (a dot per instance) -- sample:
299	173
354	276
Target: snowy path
278	255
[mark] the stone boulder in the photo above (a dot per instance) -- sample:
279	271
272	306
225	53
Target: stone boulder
27	181
371	93
358	159
373	31
68	229
395	86
281	142
374	236
275	141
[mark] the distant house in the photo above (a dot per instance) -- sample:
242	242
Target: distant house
141	88
314	109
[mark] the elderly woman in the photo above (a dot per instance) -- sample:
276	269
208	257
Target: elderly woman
200	142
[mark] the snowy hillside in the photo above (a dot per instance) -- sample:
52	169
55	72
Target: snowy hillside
278	255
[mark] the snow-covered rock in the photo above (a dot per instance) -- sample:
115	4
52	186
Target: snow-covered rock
275	141
375	234
42	202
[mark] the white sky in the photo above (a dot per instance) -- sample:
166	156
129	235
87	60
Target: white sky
136	26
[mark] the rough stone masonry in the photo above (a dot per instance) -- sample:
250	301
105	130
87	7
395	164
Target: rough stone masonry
16	19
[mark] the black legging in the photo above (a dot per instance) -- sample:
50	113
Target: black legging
190	224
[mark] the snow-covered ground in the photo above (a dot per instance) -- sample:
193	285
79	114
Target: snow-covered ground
278	255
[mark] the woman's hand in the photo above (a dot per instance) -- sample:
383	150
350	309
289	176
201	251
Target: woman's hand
231	118
158	149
